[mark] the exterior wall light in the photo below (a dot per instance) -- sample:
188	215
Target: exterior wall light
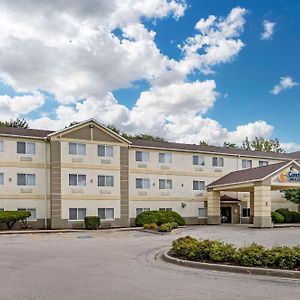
183	205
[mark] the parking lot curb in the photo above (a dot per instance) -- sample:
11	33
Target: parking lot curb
230	268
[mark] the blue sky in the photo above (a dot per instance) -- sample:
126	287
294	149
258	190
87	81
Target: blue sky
243	81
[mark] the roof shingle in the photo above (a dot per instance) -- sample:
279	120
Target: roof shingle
25	132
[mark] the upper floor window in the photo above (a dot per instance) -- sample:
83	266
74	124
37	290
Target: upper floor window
26	148
142	183
198	160
26	179
1	178
104	180
1	146
165	158
77	149
105	151
77	180
218	162
246	163
165	184
198	185
141	156
263	163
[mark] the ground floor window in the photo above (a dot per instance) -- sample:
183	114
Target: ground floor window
32	211
140	210
1	209
77	214
202	212
106	213
165	208
246	212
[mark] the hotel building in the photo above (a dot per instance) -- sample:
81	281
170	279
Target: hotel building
87	170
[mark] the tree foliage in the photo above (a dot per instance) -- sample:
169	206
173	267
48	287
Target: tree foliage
261	144
292	195
17	123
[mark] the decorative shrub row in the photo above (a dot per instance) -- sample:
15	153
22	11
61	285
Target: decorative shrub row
283	215
151	226
279	257
92	222
158	217
168	227
10	218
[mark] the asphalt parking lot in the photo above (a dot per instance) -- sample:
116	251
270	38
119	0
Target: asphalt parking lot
122	265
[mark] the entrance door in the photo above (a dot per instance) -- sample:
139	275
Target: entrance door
226	214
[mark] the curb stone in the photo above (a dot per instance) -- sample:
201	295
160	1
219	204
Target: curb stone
230	268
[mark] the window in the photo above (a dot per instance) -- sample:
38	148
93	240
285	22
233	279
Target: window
106	213
198	185
104	180
246	212
263	163
165	184
26	148
32	211
141	156
77	214
140	210
26	179
202	212
105	151
77	180
77	149
1	178
198	160
246	163
1	146
1	209
165	209
165	158
218	162
142	183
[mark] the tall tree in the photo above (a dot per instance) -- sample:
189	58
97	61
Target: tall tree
261	144
293	196
17	123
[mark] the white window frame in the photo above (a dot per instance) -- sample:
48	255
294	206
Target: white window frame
26	179
162	158
77	145
199	182
105	209
77	181
1	180
167	183
205	212
165	209
105	180
26	148
105	150
263	163
246	163
219	160
29	209
144	156
141	209
145	183
1	146
200	160
77	210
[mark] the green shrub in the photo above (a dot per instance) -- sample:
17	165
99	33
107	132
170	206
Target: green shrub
92	222
295	216
250	256
158	217
11	217
151	226
221	252
288	218
277	217
168	227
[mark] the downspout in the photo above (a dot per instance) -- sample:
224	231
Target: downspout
46	187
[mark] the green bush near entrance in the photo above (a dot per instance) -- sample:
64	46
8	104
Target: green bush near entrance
10	218
92	223
158	217
277	217
296	216
249	256
168	227
288	217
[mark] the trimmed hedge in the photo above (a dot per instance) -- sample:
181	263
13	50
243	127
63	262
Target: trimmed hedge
92	222
158	217
151	226
250	256
10	218
296	216
168	227
288	218
277	217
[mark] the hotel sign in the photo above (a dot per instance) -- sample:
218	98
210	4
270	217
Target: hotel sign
289	175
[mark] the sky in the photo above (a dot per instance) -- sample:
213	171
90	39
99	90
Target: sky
184	70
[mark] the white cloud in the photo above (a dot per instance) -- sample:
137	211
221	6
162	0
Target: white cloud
268	30
290	147
286	82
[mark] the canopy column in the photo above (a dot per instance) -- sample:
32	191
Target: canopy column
213	207
251	207
262	206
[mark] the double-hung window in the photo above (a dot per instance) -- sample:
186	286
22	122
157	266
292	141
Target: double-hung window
32	211
140	210
26	179
218	162
77	214
105	180
1	146
246	163
198	185
263	163
141	156
142	183
105	151
165	184
202	212
26	148
77	180
1	178
165	158
106	213
246	212
198	160
165	208
77	149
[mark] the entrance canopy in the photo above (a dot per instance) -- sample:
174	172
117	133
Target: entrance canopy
259	182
